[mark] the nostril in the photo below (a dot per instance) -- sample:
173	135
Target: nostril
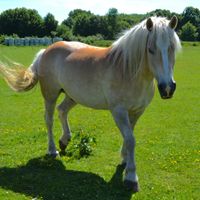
162	91
161	86
173	87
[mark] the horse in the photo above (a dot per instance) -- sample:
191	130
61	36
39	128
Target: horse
119	78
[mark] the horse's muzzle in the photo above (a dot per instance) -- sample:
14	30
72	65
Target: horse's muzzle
167	91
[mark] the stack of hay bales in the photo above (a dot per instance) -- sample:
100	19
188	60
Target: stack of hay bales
31	41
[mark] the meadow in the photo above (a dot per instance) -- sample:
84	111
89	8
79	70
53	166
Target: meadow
167	151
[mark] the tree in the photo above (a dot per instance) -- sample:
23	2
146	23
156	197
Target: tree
160	13
27	22
191	15
21	21
50	24
74	15
130	19
189	32
64	32
112	17
81	25
198	30
87	25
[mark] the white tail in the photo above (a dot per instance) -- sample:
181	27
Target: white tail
22	79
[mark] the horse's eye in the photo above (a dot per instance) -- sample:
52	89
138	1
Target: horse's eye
151	51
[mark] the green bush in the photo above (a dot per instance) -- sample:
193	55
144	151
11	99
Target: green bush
82	145
103	43
2	39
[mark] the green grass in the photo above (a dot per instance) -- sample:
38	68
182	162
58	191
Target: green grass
167	152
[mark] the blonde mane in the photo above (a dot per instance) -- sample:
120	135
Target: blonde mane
129	51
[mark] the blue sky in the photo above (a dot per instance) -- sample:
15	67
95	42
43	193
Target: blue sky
61	8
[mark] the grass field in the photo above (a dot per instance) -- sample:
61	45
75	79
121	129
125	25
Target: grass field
167	152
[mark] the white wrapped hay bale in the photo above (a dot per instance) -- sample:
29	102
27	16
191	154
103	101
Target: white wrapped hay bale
11	42
48	41
36	40
21	41
31	41
41	41
6	41
17	42
57	39
26	41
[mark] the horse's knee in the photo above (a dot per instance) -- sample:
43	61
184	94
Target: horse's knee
61	114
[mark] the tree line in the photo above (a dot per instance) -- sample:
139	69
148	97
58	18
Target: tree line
22	22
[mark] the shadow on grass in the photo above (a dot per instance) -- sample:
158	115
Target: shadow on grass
48	179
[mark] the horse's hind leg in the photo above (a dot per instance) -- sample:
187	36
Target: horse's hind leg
49	111
50	90
63	110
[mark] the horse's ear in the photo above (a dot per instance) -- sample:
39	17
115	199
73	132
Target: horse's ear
173	22
149	24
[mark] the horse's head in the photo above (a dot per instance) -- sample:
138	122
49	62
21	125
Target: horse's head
162	44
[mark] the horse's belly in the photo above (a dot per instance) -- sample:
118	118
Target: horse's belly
86	94
89	100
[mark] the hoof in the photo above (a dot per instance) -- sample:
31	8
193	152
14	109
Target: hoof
132	186
62	146
53	155
62	153
123	165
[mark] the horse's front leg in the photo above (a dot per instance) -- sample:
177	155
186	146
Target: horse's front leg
121	117
133	118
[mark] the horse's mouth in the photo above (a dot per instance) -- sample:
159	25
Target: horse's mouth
166	97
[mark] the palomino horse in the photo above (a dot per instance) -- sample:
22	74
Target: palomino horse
119	78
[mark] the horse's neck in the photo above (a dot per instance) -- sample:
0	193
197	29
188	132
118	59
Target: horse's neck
145	74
